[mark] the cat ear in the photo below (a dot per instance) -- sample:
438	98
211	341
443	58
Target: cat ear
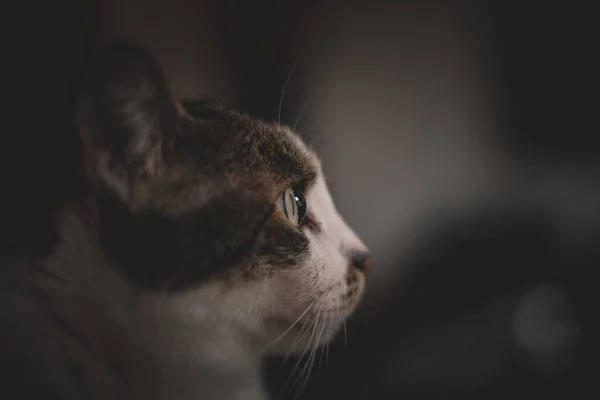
125	114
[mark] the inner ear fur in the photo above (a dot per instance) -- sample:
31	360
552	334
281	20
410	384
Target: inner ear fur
126	114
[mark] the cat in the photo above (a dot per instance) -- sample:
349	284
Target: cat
204	242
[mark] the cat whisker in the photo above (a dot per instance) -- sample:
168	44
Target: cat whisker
310	347
331	320
316	120
311	98
312	142
312	323
301	335
307	134
310	351
300	378
278	338
324	350
313	354
287	81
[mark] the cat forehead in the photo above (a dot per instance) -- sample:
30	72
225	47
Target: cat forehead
234	144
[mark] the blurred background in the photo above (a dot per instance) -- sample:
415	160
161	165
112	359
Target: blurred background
459	139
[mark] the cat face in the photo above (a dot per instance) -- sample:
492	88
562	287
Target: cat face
222	219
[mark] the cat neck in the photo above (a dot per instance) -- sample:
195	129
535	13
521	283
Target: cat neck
180	346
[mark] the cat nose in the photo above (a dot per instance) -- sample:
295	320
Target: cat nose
361	261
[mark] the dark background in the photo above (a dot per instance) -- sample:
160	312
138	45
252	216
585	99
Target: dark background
459	139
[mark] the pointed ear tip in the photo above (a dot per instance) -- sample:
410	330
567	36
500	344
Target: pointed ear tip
122	60
125	74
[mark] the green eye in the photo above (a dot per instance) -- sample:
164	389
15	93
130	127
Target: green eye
293	204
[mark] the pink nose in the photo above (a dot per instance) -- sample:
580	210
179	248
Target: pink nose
361	261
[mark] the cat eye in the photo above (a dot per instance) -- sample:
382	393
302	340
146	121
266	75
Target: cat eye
293	204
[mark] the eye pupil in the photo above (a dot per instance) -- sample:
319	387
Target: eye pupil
294	205
300	202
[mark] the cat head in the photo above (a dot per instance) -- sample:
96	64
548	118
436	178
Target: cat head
224	218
